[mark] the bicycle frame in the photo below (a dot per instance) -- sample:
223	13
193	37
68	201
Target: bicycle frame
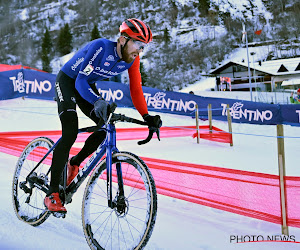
108	147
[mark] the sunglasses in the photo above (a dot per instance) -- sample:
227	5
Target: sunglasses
137	44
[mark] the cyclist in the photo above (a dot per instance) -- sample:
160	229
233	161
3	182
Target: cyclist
75	85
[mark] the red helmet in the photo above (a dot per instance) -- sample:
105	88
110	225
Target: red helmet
298	90
137	30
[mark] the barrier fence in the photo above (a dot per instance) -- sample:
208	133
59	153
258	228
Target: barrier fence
24	82
247	193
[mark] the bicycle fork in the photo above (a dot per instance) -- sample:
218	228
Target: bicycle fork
117	202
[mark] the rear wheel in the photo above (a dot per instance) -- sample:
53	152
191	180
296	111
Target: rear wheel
28	201
130	223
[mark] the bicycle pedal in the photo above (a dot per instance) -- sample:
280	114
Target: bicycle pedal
59	214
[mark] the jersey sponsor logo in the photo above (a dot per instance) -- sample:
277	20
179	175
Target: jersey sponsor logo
93	92
103	72
88	70
106	64
110	58
95	55
76	64
121	66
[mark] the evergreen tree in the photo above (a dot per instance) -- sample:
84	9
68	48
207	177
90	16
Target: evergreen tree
167	37
203	6
95	33
64	41
46	50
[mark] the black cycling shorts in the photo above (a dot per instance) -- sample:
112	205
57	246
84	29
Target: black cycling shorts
67	97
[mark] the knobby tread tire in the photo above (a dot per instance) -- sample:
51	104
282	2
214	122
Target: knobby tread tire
131	159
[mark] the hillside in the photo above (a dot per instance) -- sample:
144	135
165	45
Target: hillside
190	36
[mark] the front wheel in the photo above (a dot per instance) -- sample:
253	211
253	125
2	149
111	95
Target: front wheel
28	200
130	223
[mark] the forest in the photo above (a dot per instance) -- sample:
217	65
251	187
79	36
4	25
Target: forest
190	37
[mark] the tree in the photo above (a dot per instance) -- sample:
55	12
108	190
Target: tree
64	41
203	7
95	33
46	50
167	37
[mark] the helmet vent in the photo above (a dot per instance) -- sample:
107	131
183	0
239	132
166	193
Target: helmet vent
141	26
131	26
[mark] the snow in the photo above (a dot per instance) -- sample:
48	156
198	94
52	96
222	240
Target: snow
295	81
240	54
24	14
202	85
242	8
180	224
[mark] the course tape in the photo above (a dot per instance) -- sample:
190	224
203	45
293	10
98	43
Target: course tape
247	193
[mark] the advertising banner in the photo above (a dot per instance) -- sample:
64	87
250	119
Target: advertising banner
25	82
290	114
40	85
185	104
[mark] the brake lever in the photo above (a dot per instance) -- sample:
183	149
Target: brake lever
150	135
158	133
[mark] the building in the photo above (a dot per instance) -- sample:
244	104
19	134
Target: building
265	75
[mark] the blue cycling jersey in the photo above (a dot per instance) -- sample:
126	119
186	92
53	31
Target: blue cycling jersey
95	61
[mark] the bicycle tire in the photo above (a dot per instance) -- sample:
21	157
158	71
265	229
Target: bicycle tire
34	212
128	231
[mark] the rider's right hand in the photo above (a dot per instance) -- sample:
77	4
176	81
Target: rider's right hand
100	109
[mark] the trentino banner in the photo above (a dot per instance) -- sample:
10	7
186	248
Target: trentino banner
25	82
40	85
185	104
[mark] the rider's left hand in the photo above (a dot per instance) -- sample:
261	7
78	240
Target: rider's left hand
153	121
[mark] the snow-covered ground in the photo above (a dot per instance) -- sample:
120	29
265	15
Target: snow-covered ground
180	224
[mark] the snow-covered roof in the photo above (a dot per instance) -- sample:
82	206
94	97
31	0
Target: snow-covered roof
290	82
273	67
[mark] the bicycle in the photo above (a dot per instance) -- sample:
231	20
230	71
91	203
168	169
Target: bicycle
119	204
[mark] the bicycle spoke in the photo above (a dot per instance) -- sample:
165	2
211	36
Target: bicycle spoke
32	212
127	225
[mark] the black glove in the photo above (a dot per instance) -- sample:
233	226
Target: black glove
100	109
153	121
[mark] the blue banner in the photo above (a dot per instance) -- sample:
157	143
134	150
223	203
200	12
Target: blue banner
290	114
40	85
185	104
25	82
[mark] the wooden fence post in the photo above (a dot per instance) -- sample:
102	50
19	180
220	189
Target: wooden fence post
210	117
281	166
197	123
229	124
